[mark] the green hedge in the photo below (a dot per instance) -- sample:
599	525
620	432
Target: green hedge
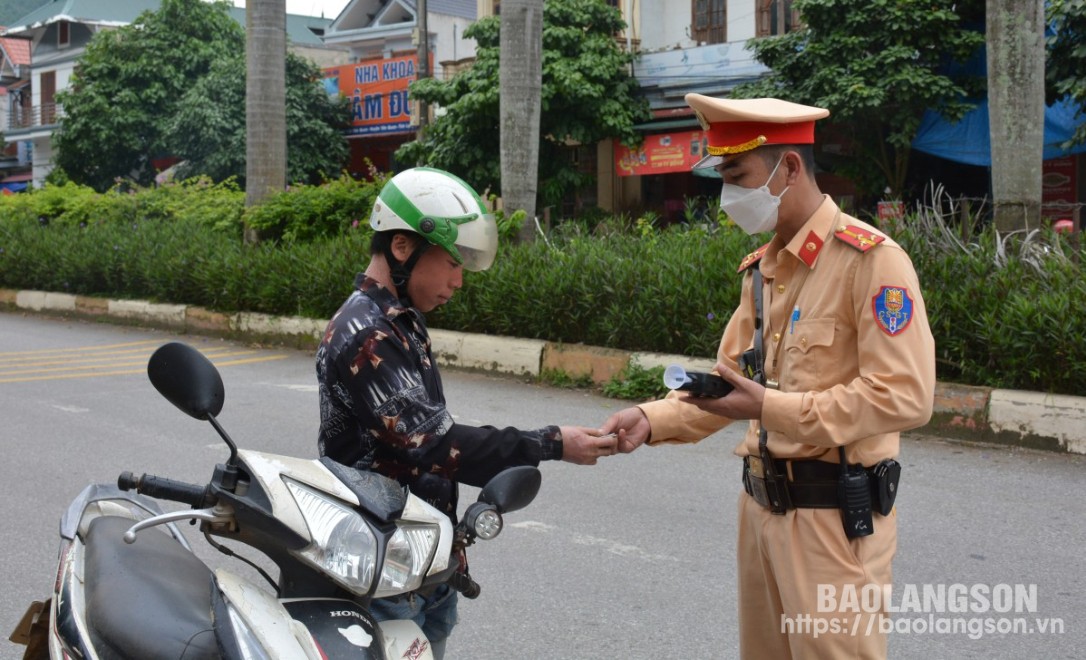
1006	311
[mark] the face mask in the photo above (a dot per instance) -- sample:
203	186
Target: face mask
753	209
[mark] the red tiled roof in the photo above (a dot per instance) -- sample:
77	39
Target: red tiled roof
17	50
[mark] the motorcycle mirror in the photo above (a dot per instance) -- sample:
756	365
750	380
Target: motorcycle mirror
187	379
512	489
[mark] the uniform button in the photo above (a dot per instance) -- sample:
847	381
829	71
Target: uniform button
811	247
803	340
780	288
776	336
841	228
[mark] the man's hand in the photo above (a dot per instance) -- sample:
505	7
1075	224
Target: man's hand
631	426
744	402
584	446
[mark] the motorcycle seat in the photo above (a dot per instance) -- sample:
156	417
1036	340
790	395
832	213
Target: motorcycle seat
150	599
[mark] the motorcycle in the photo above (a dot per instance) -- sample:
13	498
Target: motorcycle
339	537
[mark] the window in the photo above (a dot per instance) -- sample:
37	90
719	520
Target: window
48	97
710	22
63	34
776	17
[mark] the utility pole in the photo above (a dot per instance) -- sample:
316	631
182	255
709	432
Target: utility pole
423	68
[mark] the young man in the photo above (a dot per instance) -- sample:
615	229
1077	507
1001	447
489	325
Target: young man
382	405
830	357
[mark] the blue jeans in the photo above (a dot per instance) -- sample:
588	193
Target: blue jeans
435	614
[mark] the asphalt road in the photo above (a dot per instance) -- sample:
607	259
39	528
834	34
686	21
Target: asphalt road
633	558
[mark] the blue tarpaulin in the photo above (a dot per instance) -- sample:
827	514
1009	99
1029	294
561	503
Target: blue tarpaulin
969	142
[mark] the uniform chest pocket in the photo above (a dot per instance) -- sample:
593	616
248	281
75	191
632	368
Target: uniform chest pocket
804	336
808	355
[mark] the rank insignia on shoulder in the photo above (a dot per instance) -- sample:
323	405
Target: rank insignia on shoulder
858	237
752	258
893	309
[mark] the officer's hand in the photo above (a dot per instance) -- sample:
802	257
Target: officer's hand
744	402
584	446
631	426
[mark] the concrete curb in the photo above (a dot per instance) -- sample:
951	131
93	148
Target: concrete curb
1012	417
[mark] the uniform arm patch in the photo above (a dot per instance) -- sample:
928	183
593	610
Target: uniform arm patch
893	309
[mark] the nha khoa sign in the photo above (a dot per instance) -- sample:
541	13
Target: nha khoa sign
377	89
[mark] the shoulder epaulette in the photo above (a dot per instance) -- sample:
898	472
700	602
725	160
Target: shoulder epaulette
858	237
752	258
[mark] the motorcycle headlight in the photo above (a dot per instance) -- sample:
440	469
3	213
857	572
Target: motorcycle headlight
407	557
343	545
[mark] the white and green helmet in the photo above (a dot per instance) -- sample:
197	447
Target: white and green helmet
441	208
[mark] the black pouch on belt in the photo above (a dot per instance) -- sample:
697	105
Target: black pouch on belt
886	475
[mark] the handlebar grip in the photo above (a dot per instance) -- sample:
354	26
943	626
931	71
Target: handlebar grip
163	488
463	583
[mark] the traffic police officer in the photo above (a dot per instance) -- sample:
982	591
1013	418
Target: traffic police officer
845	361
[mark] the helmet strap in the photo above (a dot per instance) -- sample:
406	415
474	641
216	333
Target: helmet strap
401	272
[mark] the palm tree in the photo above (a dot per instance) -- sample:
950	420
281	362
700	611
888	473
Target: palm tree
1016	58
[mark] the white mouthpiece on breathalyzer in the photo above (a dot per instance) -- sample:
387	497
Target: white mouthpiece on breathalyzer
675	377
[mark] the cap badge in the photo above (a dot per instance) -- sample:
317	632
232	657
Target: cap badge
701	119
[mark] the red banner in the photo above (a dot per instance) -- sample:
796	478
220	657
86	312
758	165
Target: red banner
661	154
1058	187
378	92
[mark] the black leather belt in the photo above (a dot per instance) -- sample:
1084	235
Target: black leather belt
812	484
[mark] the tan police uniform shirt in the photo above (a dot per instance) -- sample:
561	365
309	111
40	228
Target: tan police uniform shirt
856	366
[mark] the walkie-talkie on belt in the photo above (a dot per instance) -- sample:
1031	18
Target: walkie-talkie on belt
854	499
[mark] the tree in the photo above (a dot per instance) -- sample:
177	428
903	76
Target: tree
877	65
265	102
173	84
128	84
1065	68
1016	110
520	83
209	130
587	96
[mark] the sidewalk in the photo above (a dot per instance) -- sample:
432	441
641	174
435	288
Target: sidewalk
1012	417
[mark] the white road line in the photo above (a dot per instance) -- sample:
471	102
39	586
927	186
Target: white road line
608	545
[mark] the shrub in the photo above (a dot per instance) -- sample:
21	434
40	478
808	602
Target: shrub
1006	310
304	213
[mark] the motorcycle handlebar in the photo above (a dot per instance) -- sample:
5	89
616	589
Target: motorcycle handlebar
463	583
163	488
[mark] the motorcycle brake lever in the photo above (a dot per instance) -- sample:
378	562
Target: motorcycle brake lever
207	515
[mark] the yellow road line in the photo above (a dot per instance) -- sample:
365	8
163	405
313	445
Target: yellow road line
112	361
227	363
83	348
83	358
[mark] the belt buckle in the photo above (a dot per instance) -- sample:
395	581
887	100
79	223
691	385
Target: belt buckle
756	467
754	480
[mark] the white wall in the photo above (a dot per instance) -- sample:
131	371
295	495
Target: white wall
447	39
665	24
742	19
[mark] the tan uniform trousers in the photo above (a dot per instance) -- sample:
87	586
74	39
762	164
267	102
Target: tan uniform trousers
782	562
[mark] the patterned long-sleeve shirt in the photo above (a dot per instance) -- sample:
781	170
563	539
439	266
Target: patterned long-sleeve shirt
383	408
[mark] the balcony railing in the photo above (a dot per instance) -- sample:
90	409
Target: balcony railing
38	116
